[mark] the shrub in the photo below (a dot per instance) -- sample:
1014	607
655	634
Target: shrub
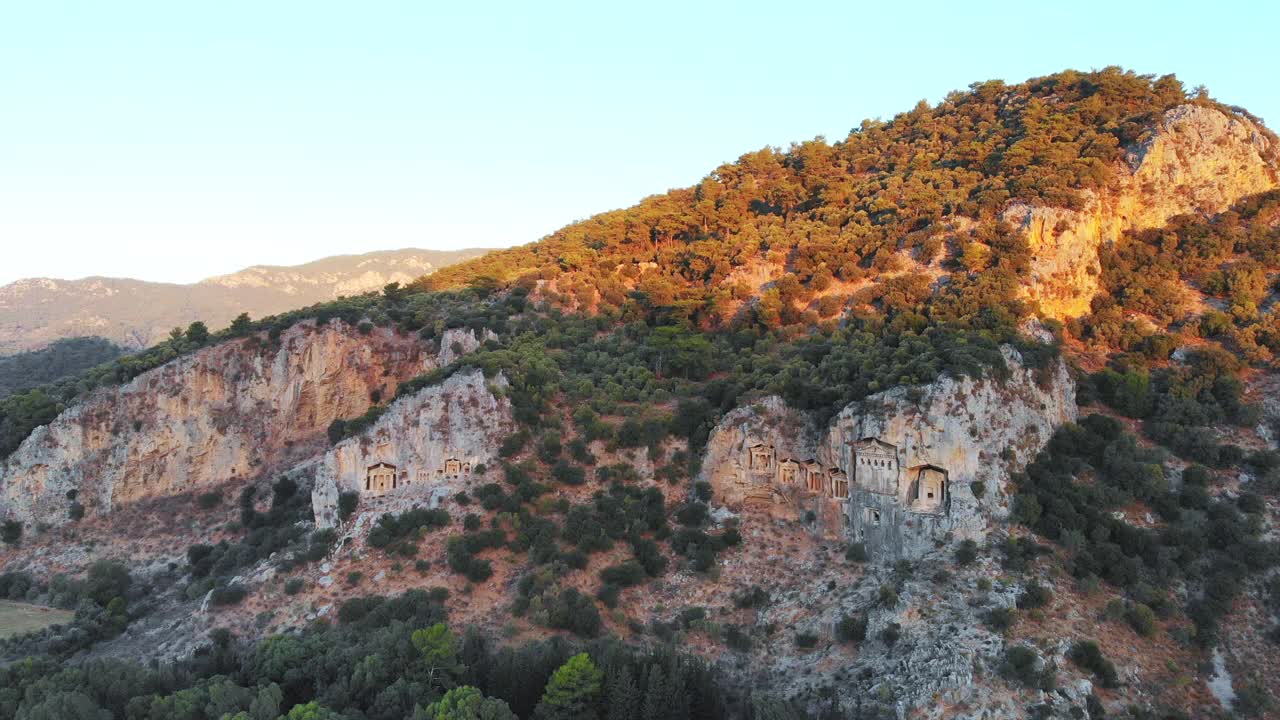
806	639
888	596
1142	619
1088	656
624	575
1020	663
967	552
400	533
753	598
1252	701
852	629
347	504
293	586
567	473
575	612
736	639
999	619
979	488
692	514
690	615
209	500
856	552
1034	596
228	594
891	634
11	532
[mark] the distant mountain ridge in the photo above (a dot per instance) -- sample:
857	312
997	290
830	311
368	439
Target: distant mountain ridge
135	313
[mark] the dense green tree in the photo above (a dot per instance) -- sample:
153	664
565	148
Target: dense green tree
439	651
466	703
198	333
241	325
574	692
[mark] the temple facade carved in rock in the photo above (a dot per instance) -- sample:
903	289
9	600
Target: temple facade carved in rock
383	477
868	496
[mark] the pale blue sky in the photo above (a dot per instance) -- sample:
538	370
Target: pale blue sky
176	140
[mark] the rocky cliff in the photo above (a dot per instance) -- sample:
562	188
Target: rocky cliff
1198	160
436	442
975	430
239	409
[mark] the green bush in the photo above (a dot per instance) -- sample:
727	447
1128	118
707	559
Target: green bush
1142	619
736	639
999	619
1033	596
11	532
856	552
852	629
1088	656
347	503
806	640
1020	663
228	594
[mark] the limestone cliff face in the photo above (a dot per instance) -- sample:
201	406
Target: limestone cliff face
434	443
1199	160
238	409
972	429
726	464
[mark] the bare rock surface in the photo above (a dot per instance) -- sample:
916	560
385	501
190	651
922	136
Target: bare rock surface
1199	160
238	409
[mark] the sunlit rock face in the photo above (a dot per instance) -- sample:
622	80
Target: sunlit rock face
1199	160
239	409
896	470
434	443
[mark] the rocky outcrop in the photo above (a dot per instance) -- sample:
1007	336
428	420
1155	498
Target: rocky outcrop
972	430
768	421
1199	160
978	429
239	409
436	443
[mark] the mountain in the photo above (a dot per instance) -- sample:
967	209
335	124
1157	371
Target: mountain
136	314
970	414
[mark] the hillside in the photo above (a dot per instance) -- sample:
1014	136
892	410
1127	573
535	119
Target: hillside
72	356
969	415
137	314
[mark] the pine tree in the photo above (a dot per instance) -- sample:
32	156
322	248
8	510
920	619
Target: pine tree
573	692
625	700
439	650
466	703
658	696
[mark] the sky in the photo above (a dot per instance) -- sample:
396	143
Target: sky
171	141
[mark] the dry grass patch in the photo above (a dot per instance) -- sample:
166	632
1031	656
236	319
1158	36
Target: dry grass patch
20	618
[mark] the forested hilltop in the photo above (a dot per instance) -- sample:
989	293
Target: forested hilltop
572	523
918	199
